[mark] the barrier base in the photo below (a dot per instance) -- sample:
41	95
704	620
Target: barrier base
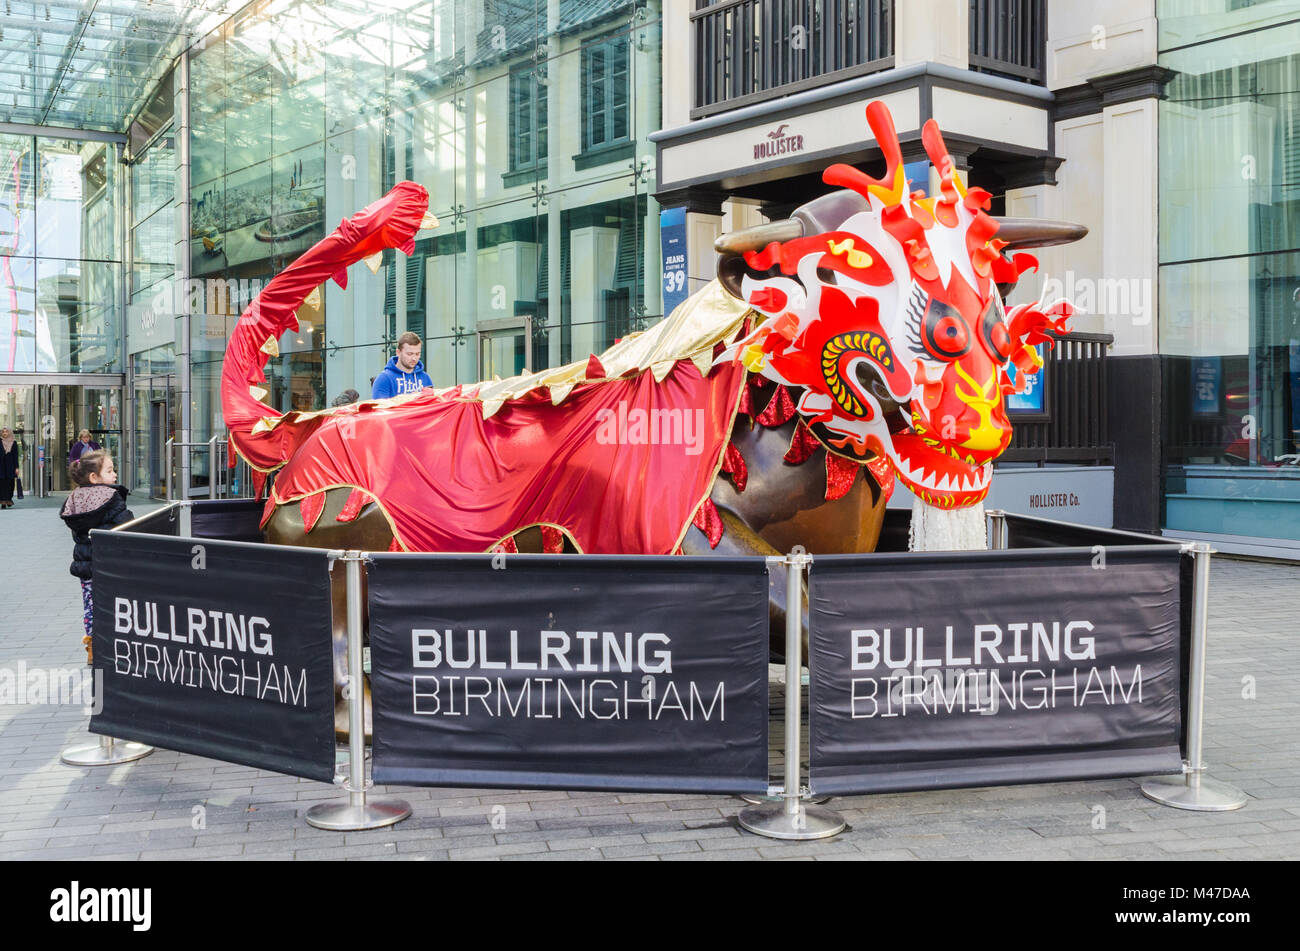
756	800
1203	795
356	817
810	822
107	752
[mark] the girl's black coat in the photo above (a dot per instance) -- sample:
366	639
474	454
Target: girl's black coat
111	512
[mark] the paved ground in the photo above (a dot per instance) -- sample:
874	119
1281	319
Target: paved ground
152	809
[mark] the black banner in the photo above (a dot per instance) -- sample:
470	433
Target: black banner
992	668
570	672
233	520
216	648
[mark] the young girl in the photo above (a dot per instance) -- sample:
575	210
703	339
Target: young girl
96	502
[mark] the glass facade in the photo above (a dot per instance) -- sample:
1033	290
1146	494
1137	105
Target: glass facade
527	120
60	286
1230	267
155	302
59	260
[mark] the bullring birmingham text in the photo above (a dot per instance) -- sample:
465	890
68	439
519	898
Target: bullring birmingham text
1031	689
548	698
239	676
220	630
585	651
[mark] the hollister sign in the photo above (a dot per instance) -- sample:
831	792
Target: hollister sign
778	142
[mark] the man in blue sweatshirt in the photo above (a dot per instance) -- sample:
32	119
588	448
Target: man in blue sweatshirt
404	373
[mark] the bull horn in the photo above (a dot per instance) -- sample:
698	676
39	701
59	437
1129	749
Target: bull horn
1021	233
759	236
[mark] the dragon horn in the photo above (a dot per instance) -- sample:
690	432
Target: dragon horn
1021	233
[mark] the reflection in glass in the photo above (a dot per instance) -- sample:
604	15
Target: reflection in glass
152	250
17	197
20	333
77	302
153	178
74	199
1229	133
524	119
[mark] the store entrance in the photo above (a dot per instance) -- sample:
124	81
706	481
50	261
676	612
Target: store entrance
46	420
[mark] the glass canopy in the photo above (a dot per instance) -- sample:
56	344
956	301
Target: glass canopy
88	64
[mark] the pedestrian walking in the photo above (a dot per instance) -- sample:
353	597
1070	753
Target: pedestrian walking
96	502
8	467
83	444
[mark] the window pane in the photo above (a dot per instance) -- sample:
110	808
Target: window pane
152	250
19	333
77	302
1231	340
153	178
1230	147
75	199
17	198
1192	21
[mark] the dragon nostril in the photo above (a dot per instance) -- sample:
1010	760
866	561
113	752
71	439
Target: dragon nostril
872	383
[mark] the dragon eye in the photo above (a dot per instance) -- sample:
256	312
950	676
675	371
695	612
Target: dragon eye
995	334
946	334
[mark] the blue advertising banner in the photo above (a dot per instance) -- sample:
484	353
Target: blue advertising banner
672	239
1207	386
1031	400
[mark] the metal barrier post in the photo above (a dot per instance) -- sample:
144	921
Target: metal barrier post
792	819
107	752
1194	790
167	464
357	813
212	467
997	529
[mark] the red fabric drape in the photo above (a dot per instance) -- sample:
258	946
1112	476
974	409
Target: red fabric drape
451	480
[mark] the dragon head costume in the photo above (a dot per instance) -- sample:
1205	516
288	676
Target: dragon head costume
881	308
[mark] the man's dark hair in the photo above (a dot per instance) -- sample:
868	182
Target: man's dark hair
347	396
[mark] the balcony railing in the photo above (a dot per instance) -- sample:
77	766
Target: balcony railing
1073	426
1009	38
748	51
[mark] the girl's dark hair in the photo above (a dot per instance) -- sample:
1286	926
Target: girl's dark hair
90	462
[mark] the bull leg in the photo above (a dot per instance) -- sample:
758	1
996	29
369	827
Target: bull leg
368	532
738	539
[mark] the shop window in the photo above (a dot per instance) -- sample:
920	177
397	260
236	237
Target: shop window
606	98
527	126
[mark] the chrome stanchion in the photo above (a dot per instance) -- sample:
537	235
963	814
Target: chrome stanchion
107	752
1194	790
212	467
792	818
167	463
358	812
997	521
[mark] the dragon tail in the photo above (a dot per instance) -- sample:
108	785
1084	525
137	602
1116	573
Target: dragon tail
263	436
